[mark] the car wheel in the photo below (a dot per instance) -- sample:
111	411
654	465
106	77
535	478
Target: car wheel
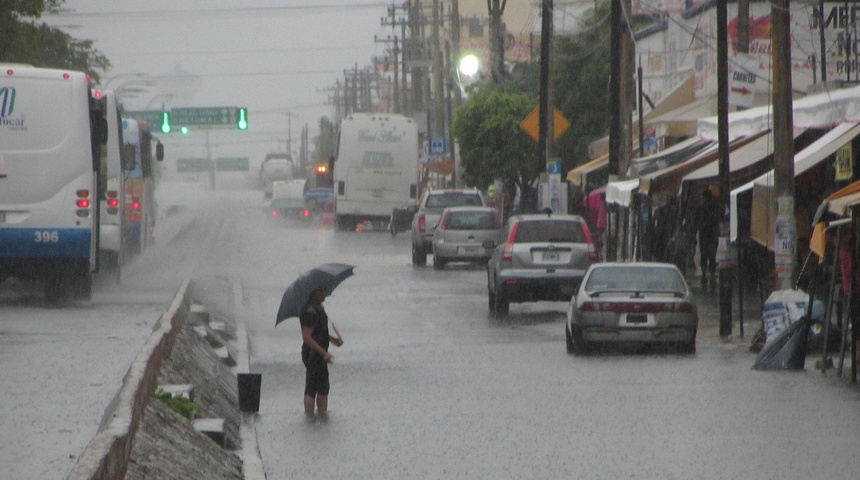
418	256
689	347
568	340
491	304
438	262
502	305
575	344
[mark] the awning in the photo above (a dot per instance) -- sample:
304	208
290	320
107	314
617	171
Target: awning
748	161
621	192
822	110
578	175
669	179
762	218
667	157
842	200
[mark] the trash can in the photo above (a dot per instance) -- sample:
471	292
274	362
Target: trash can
249	392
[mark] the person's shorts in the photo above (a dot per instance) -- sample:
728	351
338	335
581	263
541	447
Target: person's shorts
316	377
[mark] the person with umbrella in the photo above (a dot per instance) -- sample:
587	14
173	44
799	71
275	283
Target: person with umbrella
304	298
315	355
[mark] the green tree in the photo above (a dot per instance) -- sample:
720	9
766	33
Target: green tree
23	40
492	144
326	142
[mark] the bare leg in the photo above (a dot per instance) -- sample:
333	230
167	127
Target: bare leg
322	405
309	406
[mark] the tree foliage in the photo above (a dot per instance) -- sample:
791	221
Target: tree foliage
326	142
23	40
492	144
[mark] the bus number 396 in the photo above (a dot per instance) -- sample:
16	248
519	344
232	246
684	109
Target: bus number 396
47	237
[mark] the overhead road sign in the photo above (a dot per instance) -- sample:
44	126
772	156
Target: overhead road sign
207	116
232	164
184	165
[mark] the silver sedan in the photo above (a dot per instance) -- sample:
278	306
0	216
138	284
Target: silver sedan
632	302
461	232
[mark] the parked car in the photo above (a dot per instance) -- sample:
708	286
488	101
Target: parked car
632	302
543	257
430	210
461	233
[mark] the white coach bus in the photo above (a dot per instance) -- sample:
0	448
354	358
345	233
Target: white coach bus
51	131
376	168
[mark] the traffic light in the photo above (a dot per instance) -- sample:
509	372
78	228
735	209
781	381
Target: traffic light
165	122
184	130
242	120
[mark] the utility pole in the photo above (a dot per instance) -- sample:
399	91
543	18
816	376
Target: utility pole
545	127
437	128
724	165
783	146
620	82
497	37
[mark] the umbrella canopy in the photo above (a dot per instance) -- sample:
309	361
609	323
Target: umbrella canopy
297	294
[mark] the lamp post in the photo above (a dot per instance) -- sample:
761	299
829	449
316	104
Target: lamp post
164	96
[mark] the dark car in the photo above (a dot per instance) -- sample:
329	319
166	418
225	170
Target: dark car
542	257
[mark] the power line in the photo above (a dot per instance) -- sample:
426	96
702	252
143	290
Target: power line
197	12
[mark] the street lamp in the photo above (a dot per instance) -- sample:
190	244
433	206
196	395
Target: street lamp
468	67
164	96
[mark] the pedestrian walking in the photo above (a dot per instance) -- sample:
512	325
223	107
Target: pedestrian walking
315	355
707	224
665	228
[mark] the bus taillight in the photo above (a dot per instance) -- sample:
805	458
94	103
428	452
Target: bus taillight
135	205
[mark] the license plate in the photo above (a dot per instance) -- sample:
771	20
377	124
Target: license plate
468	250
550	256
637	319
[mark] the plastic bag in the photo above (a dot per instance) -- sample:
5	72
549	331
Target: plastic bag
785	307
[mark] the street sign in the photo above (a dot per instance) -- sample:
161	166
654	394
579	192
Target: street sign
231	164
184	165
153	117
205	116
531	124
438	146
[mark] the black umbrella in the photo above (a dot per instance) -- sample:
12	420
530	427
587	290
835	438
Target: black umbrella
297	294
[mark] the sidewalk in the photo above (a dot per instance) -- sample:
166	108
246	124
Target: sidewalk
709	308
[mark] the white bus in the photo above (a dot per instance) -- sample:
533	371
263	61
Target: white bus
376	168
118	161
51	130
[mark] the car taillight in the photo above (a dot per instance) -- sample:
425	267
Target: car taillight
508	250
306	213
587	307
421	223
112	200
274	213
135	205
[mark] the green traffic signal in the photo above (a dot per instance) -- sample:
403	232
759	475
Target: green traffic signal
242	121
165	122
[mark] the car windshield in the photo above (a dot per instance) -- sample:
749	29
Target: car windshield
446	200
470	221
549	231
634	279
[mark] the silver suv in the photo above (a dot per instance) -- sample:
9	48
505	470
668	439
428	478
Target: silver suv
430	211
543	257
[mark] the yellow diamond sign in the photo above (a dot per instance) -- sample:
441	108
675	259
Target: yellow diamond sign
531	125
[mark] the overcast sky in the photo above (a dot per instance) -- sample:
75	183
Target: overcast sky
271	56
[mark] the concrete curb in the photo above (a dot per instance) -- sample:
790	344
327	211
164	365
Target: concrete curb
107	454
252	462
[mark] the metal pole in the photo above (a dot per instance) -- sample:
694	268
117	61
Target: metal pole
724	166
